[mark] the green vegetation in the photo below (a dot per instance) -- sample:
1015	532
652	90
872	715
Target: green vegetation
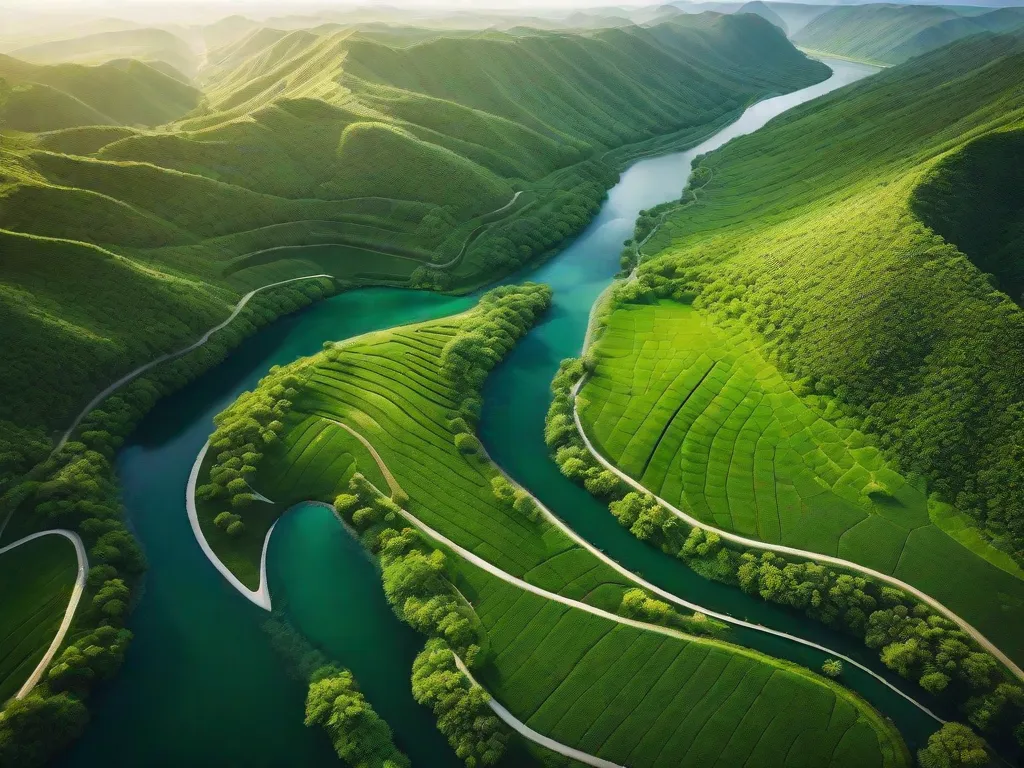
717	430
308	152
891	34
35	585
320	151
913	639
583	679
850	294
359	736
953	746
75	488
46	98
157	46
286	438
972	200
832	667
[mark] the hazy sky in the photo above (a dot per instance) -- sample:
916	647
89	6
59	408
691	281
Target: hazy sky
290	6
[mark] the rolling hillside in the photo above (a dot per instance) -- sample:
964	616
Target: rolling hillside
890	34
329	151
124	92
860	285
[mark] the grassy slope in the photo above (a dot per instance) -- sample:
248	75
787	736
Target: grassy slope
807	236
35	584
714	428
890	34
621	693
310	140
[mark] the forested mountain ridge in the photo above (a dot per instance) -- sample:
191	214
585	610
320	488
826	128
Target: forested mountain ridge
844	273
890	34
390	157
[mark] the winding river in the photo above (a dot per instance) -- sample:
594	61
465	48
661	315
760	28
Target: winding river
201	678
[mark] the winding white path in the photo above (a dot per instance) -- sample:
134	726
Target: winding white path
261	596
527	732
69	613
801	553
469	238
171	355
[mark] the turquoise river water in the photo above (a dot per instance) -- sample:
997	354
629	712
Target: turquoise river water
201	684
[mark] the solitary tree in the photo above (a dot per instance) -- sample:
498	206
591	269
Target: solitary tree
832	667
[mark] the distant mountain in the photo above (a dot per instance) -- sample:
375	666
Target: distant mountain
123	92
766	12
890	34
143	44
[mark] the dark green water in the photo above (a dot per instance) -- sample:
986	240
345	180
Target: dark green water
201	685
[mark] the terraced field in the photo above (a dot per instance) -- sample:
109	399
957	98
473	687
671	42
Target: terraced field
624	693
644	699
35	584
698	415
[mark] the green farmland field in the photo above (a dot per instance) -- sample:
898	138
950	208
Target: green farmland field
697	414
623	693
35	584
643	699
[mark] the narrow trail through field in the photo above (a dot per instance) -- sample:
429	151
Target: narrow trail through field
170	356
393	254
527	732
782	549
69	612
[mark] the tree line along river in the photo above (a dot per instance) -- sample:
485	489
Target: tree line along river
201	680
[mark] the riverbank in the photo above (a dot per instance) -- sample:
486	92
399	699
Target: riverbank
191	620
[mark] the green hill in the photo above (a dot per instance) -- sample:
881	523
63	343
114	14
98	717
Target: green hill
890	34
143	44
332	152
123	92
855	271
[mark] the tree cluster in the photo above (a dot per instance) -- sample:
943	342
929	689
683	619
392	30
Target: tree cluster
637	604
359	735
507	246
244	431
414	574
504	315
333	701
463	714
418	589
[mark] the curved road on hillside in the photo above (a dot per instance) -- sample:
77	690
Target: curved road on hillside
782	549
69	612
171	355
527	732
